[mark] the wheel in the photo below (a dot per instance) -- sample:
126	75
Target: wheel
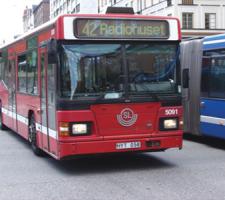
32	138
2	126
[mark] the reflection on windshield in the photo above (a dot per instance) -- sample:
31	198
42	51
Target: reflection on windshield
97	69
91	69
151	67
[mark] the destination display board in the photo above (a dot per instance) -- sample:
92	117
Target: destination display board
120	28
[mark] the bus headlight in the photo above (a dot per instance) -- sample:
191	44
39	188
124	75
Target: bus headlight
168	124
80	128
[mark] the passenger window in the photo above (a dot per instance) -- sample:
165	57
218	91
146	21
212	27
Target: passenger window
205	76
32	73
22	68
28	73
213	74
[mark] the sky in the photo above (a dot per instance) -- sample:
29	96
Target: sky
11	17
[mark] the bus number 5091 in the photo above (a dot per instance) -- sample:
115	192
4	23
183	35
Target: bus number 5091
171	112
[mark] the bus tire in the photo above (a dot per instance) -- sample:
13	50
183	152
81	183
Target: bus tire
2	126
32	137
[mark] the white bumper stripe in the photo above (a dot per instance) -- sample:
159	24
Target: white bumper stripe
24	120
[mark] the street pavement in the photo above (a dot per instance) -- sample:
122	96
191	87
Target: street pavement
197	172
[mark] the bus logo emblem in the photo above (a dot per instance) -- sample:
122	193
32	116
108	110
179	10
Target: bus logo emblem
127	117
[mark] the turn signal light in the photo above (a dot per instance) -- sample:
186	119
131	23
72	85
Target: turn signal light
181	123
64	129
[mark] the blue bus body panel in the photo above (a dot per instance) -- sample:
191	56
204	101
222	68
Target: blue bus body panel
214	42
212	121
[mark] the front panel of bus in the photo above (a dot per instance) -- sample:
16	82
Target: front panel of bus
118	94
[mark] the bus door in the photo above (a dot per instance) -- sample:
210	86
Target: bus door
44	113
48	105
12	92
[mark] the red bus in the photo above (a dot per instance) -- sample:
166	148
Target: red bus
91	84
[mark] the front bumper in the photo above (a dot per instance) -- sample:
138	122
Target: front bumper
69	149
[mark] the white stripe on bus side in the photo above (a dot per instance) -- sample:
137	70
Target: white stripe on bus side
43	129
24	120
212	120
214	41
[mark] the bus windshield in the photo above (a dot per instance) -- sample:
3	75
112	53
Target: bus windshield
89	70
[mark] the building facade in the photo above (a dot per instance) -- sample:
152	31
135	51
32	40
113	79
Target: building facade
58	7
41	13
28	19
197	17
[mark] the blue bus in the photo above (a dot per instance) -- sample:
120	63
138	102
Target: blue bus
204	99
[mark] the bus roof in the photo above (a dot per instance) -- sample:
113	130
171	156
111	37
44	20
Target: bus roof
214	42
27	34
60	18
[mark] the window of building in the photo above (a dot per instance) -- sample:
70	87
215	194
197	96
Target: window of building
138	5
145	4
77	8
210	21
131	3
187	2
73	11
169	2
187	20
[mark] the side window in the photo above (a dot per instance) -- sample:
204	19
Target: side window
43	94
8	74
217	79
32	72
205	76
1	70
213	74
28	73
22	72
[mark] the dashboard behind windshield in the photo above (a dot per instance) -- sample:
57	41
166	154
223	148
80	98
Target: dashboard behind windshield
89	70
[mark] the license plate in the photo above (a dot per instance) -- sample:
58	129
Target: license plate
128	145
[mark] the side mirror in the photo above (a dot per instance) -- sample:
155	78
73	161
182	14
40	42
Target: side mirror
185	78
52	51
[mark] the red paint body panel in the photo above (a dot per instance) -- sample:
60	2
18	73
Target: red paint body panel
26	103
107	122
22	129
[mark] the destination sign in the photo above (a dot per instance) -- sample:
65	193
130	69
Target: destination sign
120	28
